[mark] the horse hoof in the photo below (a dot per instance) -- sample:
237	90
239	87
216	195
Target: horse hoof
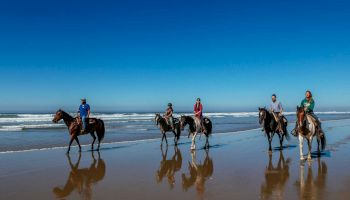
302	158
309	158
193	147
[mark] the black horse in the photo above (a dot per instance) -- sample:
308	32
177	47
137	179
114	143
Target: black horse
165	127
270	125
205	127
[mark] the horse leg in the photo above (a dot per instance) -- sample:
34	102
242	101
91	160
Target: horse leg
70	143
175	138
280	136
207	142
309	142
318	145
193	145
166	140
94	139
301	142
76	139
270	141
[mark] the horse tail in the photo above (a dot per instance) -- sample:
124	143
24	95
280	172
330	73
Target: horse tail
323	142
101	130
286	133
208	126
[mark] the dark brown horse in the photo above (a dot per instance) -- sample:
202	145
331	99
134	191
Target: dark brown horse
205	127
165	127
82	179
268	122
74	127
307	128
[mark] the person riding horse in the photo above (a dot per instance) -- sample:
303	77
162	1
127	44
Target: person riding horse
198	112
309	104
169	115
276	110
84	113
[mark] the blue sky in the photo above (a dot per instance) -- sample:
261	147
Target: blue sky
139	55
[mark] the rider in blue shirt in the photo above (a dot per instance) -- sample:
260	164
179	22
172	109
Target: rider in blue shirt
84	113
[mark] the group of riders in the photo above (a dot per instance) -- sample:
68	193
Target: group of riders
308	103
276	109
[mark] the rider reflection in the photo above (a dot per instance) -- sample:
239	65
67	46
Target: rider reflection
199	172
82	179
310	187
276	177
169	168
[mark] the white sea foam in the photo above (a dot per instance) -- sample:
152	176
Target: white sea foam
18	122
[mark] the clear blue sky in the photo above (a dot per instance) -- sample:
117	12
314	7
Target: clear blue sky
140	55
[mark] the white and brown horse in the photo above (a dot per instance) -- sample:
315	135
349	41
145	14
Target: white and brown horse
195	127
307	129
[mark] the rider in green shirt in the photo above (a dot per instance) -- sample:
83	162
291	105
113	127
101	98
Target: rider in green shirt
309	104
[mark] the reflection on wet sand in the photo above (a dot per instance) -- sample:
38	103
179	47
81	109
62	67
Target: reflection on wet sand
312	188
276	178
168	168
82	179
200	172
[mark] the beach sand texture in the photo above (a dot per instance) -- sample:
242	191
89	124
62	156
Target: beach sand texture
237	166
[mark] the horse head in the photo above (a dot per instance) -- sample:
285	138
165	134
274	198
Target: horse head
58	116
157	118
262	115
183	122
300	115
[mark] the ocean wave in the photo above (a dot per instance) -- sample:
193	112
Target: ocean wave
30	126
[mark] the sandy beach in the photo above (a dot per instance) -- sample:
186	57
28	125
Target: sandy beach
237	166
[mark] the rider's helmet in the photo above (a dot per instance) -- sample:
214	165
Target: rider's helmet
170	104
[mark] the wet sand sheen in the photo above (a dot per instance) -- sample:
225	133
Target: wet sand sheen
236	167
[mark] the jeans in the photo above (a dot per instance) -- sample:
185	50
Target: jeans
83	119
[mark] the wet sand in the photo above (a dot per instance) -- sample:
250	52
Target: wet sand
237	166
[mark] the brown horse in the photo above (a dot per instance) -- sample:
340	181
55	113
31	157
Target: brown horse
306	128
74	127
82	179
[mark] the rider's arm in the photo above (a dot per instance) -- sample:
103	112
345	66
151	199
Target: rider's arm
312	106
281	108
89	112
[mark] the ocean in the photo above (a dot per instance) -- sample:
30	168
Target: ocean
25	132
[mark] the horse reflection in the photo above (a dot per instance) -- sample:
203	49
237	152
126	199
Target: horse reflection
82	179
200	172
311	187
275	178
168	168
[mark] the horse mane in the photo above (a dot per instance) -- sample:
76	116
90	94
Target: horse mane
66	115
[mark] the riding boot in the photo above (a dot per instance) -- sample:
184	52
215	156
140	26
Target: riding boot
294	131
